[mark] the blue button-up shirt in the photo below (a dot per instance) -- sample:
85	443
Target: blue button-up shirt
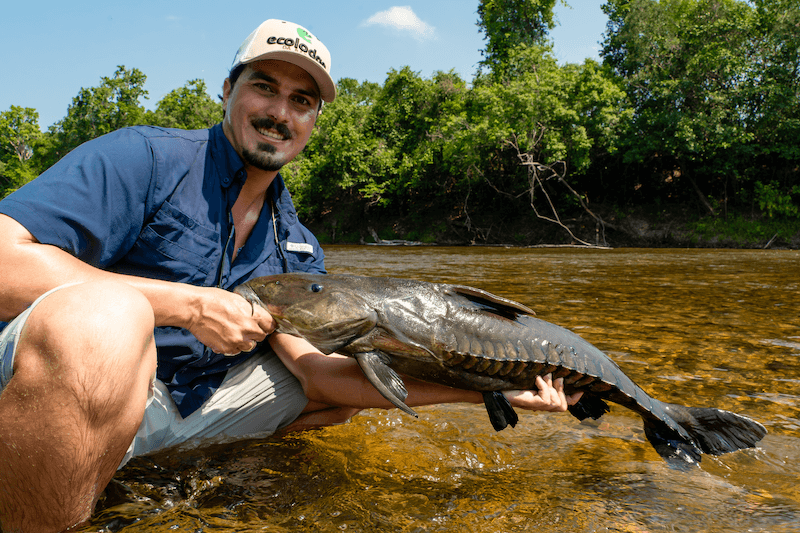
156	203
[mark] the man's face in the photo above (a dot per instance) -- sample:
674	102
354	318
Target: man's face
270	113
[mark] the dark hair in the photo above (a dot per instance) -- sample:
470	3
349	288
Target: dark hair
233	75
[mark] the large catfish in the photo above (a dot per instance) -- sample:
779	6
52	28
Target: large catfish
471	339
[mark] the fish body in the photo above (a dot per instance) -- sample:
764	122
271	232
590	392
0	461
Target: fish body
471	339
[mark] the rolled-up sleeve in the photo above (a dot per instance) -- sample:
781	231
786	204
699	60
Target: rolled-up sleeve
93	202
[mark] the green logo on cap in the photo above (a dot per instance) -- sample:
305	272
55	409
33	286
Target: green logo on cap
304	35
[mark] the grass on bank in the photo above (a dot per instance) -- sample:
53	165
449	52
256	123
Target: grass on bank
745	231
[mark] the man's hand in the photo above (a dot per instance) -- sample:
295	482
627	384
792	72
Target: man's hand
227	323
549	397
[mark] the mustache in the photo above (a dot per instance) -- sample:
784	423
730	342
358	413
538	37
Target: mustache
269	124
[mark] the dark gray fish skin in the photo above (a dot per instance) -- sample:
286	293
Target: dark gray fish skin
470	339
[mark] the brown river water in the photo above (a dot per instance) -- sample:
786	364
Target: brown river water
714	328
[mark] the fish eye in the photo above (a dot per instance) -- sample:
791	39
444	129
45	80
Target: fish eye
316	288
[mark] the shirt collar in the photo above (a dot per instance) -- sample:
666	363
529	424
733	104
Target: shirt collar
231	169
230	166
283	200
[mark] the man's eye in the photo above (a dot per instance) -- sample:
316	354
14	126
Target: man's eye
263	87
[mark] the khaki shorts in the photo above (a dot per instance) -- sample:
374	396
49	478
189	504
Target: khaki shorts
256	398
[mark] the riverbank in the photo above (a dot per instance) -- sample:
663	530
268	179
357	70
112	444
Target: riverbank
640	227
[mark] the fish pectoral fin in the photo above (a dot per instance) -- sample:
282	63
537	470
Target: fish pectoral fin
501	413
384	379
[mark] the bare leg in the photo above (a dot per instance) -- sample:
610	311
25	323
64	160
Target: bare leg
77	397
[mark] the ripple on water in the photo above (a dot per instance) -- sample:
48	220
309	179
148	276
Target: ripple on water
699	327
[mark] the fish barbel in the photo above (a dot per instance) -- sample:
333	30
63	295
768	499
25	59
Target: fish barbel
470	339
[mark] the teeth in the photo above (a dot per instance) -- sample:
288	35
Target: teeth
270	134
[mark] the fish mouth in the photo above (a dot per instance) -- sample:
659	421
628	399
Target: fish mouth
246	292
249	294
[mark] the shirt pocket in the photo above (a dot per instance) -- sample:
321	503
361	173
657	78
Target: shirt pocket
179	247
302	251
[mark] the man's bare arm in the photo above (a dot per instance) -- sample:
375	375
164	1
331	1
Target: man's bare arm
337	380
218	318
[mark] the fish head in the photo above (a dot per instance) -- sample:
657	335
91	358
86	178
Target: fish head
324	310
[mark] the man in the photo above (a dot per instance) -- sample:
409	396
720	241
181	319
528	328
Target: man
116	266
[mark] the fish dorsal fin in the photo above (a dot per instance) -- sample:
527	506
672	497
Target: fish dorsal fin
492	303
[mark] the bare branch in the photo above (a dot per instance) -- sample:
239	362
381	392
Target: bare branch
538	173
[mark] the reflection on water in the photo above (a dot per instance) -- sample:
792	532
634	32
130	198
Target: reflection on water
702	327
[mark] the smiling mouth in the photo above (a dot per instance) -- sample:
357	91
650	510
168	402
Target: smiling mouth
270	134
271	130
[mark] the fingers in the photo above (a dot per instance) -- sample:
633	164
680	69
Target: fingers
250	347
572	399
239	326
263	319
550	396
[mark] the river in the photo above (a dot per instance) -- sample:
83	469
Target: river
700	327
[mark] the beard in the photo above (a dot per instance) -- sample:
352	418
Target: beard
264	157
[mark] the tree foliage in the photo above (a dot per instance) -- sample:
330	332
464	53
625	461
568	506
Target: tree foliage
189	107
714	87
694	100
95	111
26	151
510	24
20	137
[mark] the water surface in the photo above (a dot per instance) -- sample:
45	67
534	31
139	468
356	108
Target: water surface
699	327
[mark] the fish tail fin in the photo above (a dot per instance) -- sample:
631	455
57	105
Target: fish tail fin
501	413
709	430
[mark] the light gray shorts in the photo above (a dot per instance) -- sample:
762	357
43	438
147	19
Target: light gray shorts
256	398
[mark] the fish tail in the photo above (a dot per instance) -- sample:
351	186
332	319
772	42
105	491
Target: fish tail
707	430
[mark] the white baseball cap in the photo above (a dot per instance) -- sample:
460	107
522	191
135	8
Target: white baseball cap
286	41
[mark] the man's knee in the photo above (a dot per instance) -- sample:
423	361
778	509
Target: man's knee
94	337
74	402
103	306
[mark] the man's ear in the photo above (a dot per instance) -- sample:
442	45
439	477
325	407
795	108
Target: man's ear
319	112
226	91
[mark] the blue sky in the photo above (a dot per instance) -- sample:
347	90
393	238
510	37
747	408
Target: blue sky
52	49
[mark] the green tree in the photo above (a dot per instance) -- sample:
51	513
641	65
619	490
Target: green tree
188	107
20	137
524	106
95	111
406	118
551	112
510	24
380	146
773	86
19	130
714	85
342	161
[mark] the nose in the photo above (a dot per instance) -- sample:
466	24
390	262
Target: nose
278	108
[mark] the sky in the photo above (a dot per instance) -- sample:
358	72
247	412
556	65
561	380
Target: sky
51	49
